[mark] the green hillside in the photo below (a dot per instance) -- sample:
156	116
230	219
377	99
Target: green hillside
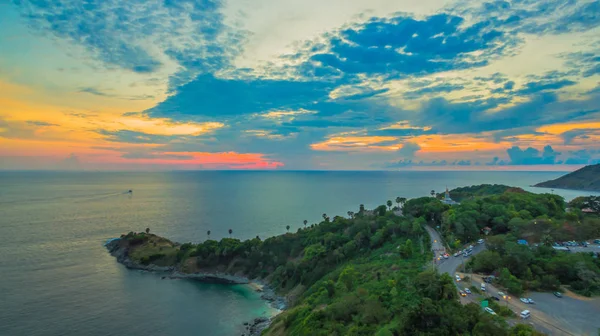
586	178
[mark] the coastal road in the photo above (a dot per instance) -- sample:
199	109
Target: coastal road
452	263
550	315
539	321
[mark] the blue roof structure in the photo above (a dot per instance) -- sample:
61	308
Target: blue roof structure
522	242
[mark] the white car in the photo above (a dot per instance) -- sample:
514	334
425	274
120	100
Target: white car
530	301
524	300
468	291
489	310
456	254
501	294
480	241
457	278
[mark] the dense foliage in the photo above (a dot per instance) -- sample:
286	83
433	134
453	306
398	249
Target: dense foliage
357	276
586	178
464	193
514	214
364	275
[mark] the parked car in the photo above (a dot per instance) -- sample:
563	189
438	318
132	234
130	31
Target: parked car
596	241
525	314
446	256
496	298
483	287
480	241
456	254
530	301
489	310
468	291
462	293
557	294
501	294
457	278
584	244
524	300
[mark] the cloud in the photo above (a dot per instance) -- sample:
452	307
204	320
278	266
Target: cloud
405	163
145	154
571	135
40	123
69	163
475	116
97	92
134	137
434	90
409	149
138	35
210	96
535	87
583	156
402	45
532	156
535	17
357	143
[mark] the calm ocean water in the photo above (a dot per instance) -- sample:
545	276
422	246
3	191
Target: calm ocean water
57	278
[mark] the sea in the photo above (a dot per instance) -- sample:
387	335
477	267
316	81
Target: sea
56	277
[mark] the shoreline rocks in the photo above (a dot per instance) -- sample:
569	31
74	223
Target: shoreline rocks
120	250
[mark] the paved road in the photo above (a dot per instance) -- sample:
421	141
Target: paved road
547	319
580	317
590	248
452	263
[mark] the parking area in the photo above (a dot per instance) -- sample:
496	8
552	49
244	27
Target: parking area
580	316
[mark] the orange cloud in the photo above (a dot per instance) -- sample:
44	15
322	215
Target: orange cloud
456	143
357	143
561	128
207	160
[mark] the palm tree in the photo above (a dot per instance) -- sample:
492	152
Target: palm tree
230	232
351	214
432	193
208	234
389	204
287	228
325	217
147	230
398	201
305	222
403	201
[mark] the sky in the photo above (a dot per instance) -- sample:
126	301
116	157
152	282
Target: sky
299	85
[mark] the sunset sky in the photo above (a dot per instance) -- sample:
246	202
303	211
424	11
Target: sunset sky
288	84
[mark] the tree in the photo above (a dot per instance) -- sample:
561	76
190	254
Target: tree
547	240
408	248
147	230
432	193
347	277
361	209
325	217
389	204
230	232
287	228
351	214
208	234
398	201
305	222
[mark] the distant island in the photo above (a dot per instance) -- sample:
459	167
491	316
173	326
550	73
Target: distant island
369	273
586	178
